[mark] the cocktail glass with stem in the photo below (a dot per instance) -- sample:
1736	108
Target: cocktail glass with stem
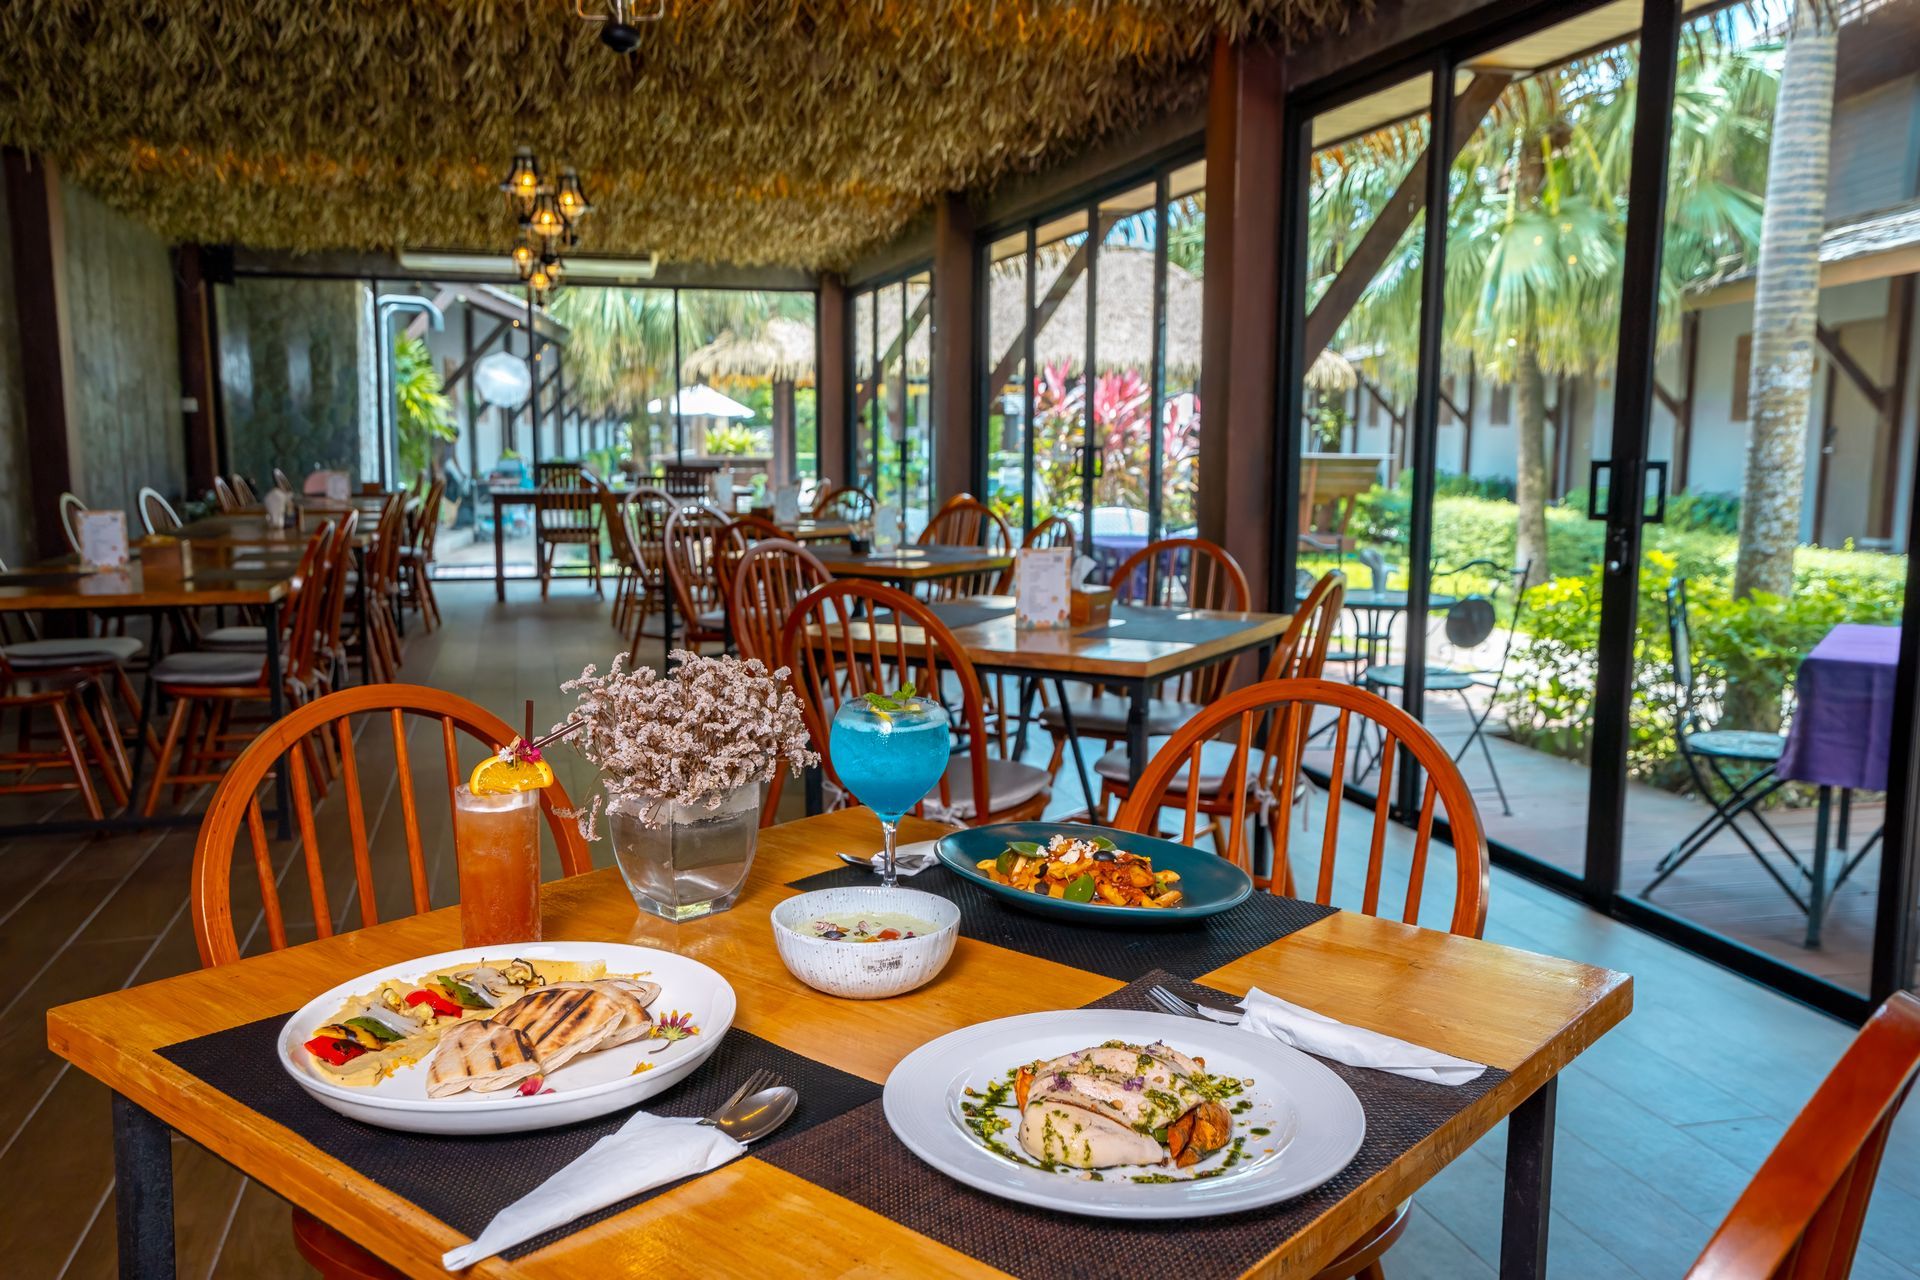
890	752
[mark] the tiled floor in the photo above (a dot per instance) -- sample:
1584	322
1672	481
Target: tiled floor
1660	1124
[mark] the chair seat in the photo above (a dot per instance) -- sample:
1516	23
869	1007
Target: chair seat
32	655
1394	675
254	638
1216	762
1105	715
1010	783
211	669
1737	744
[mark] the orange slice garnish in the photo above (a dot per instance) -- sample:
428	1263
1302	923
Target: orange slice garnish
496	777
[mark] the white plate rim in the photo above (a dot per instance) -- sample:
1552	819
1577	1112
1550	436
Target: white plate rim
712	1028
1181	1199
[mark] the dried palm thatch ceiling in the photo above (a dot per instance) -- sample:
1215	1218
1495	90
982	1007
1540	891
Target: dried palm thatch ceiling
791	132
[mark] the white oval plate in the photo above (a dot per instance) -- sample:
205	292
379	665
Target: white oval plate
1314	1120
591	1085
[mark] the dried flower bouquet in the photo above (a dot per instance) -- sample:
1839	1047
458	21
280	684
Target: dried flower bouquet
715	725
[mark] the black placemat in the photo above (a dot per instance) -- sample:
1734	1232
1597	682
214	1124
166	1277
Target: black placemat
464	1182
857	1156
1168	626
1122	951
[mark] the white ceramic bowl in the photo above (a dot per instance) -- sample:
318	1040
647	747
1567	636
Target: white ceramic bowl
865	970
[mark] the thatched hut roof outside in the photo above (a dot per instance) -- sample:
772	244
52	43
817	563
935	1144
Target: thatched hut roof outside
1123	337
781	351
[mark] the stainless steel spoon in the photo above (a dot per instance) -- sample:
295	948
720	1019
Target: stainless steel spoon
757	1115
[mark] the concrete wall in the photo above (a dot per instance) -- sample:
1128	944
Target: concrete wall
296	377
125	422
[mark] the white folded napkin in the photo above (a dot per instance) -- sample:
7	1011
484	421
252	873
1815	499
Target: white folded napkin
1313	1032
646	1151
908	859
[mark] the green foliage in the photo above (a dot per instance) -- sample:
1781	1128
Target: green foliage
422	412
1755	644
731	440
1706	512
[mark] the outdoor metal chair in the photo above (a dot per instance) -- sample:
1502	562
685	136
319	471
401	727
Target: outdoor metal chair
1720	753
1469	623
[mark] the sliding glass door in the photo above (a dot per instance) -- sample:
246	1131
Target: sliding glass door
892	438
1608	424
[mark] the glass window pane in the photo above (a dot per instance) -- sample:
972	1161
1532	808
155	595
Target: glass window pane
1185	220
1125	347
1059	319
1006	376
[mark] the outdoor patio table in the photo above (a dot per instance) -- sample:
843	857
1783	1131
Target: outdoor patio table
835	1193
1374	603
1840	736
61	585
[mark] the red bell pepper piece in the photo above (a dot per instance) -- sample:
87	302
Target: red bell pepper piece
337	1052
435	1001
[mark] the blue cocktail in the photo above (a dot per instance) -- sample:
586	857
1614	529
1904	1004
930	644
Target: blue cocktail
889	752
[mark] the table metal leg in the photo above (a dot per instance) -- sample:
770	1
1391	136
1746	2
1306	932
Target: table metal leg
1028	688
816	780
499	554
1529	1207
143	1192
1073	741
1137	696
1817	890
276	708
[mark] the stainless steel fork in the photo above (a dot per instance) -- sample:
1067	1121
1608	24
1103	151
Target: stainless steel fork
759	1080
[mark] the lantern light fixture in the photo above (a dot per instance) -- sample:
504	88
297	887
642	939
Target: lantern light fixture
548	212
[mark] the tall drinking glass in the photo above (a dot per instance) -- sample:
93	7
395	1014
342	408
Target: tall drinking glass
497	838
889	759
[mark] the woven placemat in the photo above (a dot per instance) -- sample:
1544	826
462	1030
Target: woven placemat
464	1182
1123	951
857	1156
1167	626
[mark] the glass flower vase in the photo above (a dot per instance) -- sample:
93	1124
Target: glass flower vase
690	860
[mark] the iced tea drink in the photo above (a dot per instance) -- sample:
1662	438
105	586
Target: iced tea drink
497	838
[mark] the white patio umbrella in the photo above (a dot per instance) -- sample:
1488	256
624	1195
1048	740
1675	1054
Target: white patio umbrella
702	401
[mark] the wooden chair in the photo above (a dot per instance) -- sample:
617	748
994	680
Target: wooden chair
1054	531
281	481
742	532
84	742
207	685
236	807
646	520
848	503
243	490
1800	1217
223	494
569	517
416	558
686	484
70	509
767	582
156	513
1300	655
694	535
965	521
1189	572
835	655
1279	714
330	661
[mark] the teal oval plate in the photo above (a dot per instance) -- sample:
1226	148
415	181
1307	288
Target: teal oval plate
1209	882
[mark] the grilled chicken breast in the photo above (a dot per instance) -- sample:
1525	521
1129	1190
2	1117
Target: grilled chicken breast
631	996
563	1022
481	1056
1119	1104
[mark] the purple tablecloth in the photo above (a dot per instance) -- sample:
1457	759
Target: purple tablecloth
1843	709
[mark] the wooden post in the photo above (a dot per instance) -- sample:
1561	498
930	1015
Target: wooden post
199	365
46	365
831	366
955	391
1888	427
1240	305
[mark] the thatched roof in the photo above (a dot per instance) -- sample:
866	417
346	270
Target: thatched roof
744	131
782	351
1124	325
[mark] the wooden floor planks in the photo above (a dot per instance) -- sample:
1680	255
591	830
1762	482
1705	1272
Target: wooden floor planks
1661	1123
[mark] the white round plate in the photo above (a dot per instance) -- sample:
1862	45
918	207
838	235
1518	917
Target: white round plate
1314	1122
591	1085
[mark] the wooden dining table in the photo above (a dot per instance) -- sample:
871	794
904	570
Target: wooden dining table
908	565
1136	650
1526	1015
64	585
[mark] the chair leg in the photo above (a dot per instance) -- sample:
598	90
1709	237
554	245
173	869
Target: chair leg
112	758
176	723
75	757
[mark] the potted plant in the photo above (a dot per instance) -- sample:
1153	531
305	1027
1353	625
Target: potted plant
682	762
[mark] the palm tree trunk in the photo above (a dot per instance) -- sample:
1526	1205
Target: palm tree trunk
1786	307
1530	485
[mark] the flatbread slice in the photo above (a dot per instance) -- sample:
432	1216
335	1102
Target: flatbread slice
635	1022
562	1022
482	1056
